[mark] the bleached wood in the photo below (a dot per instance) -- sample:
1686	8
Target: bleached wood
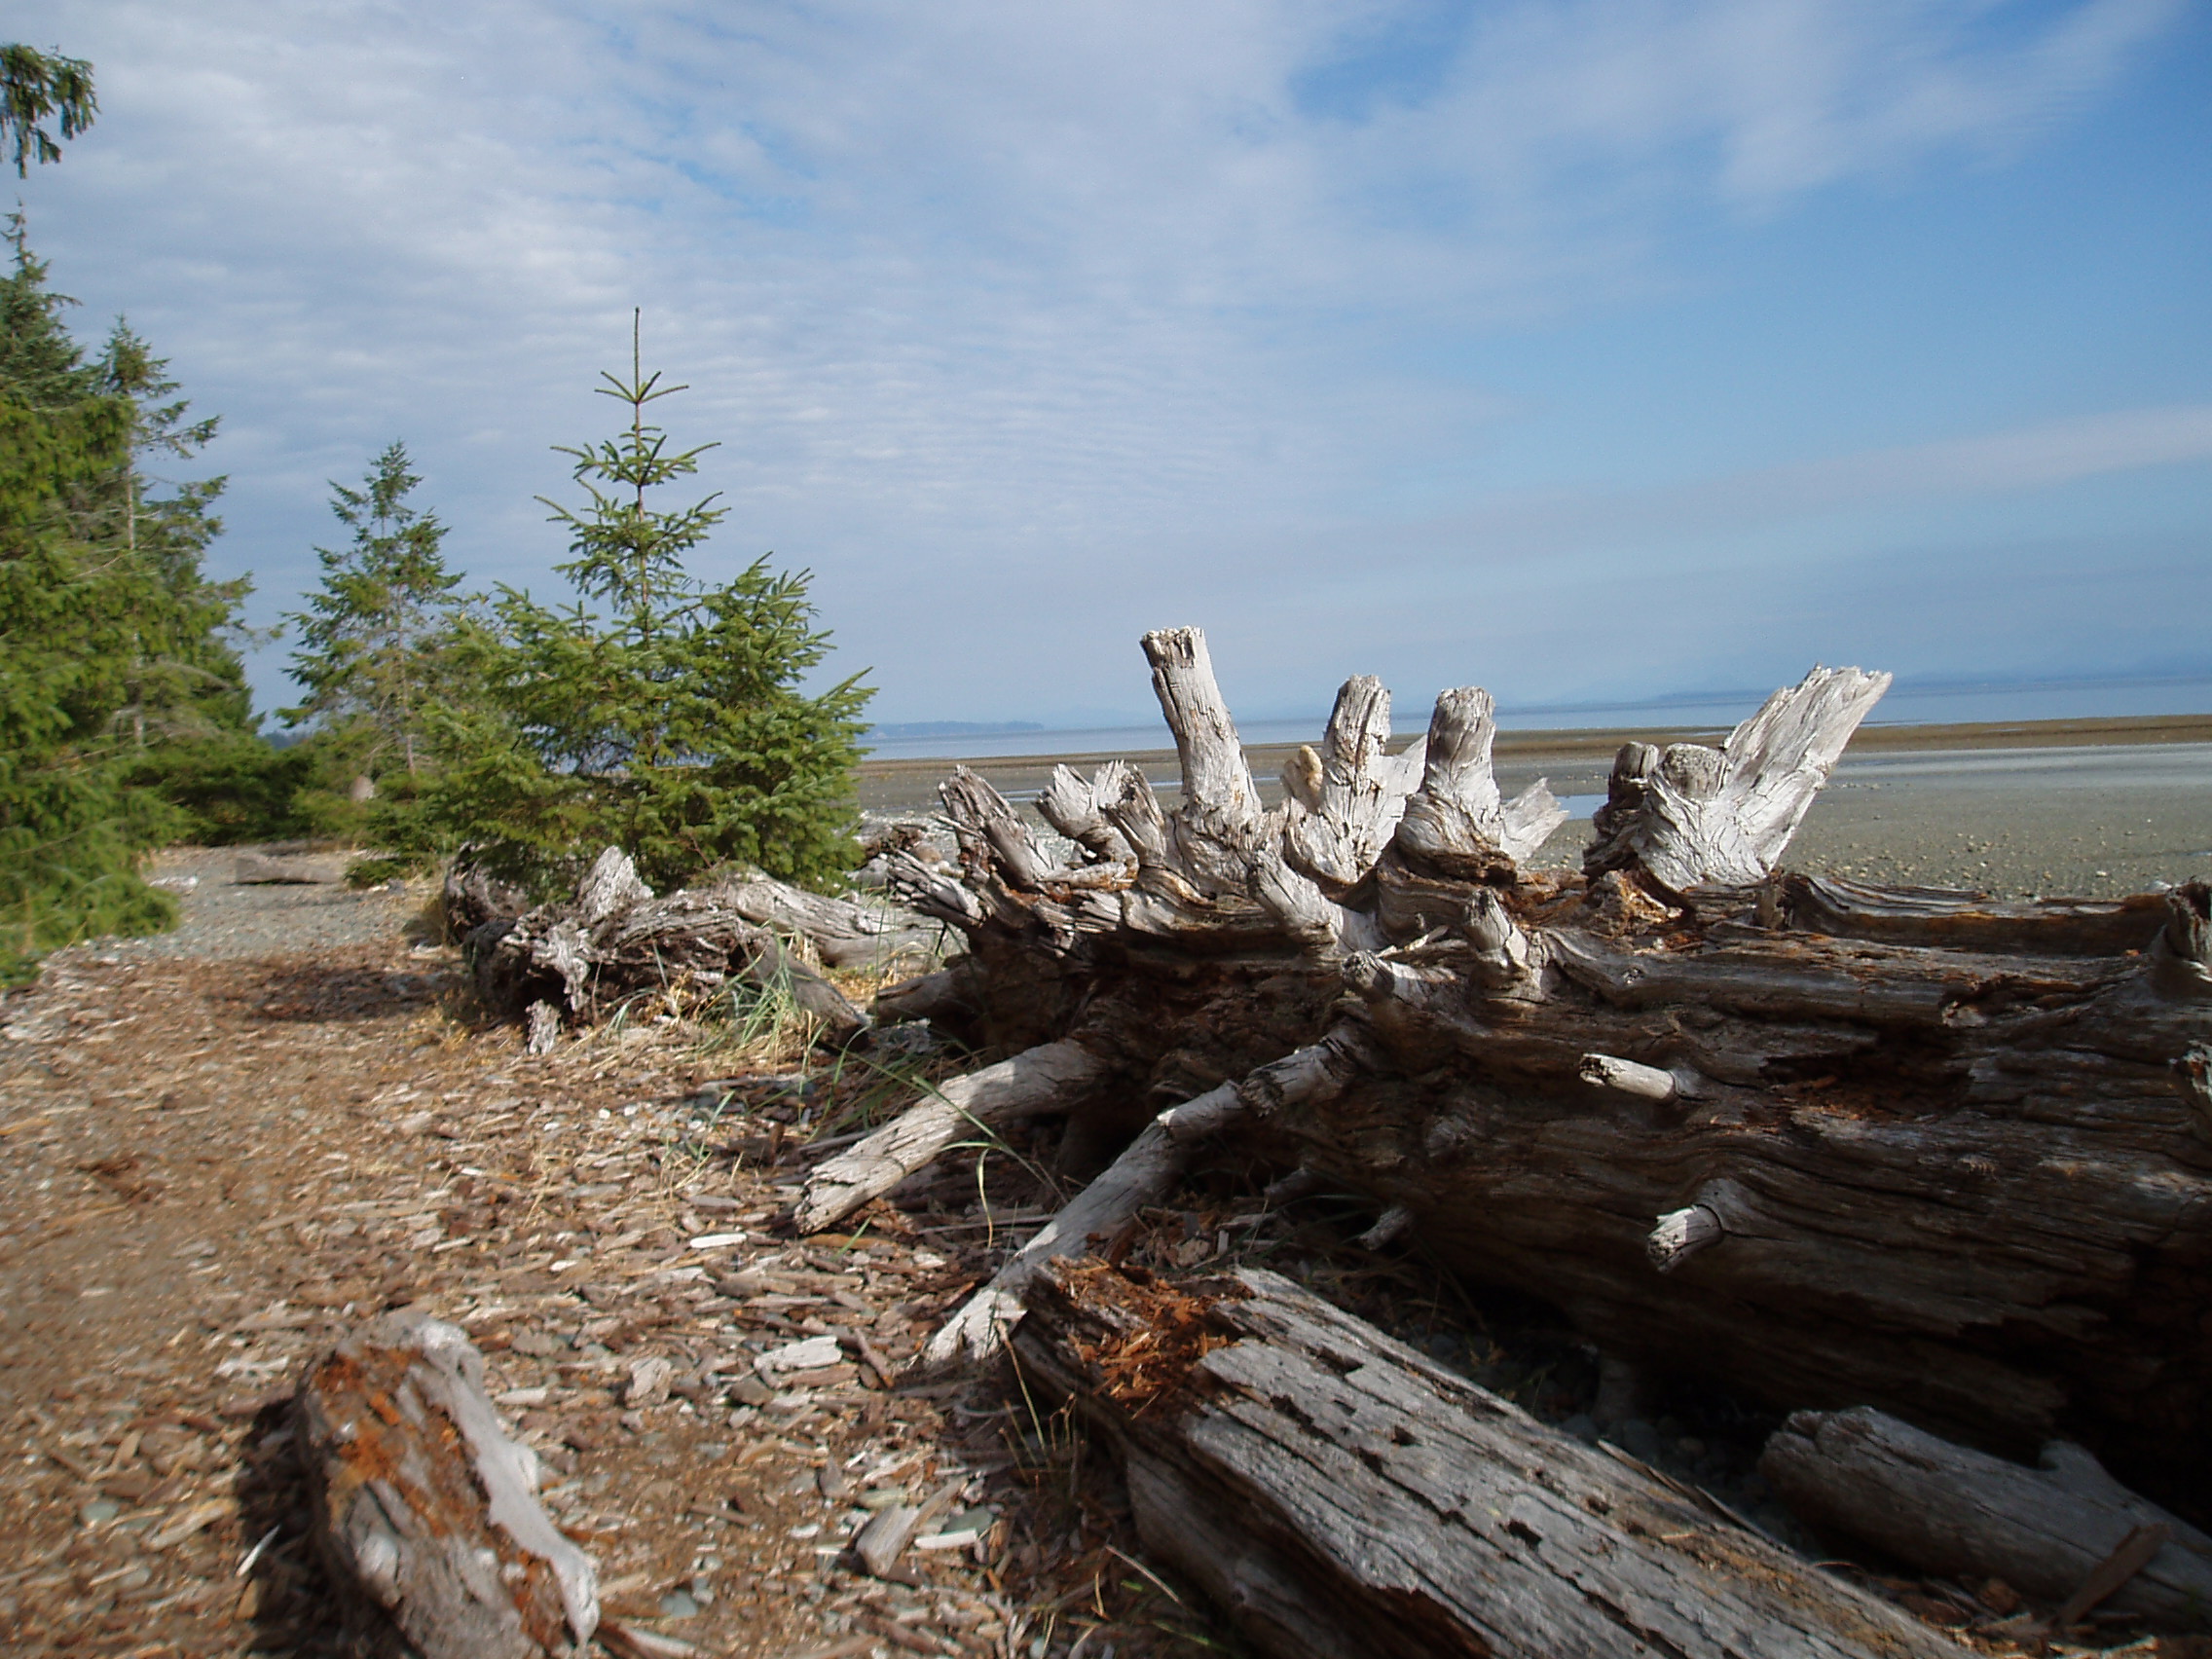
1344	1496
1070	805
1949	1509
1967	921
1503	961
1456	824
1125	797
255	869
612	884
1307	913
846	933
613	941
989	827
1629	1077
1147	1171
1053	1076
1358	793
1955	1149
1216	780
1723	816
421	1504
1682	1234
935	890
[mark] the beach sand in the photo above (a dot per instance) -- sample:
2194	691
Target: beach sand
2079	808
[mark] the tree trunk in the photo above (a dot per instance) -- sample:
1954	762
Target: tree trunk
1839	1145
1344	1497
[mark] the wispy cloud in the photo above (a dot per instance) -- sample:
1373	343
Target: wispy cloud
990	303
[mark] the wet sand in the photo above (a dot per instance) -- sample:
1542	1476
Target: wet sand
2088	808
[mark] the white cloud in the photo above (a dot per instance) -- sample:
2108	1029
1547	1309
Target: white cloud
989	302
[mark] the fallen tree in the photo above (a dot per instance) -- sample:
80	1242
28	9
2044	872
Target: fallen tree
1838	1143
614	939
1344	1496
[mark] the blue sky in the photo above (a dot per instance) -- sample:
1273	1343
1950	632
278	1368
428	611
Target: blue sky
1588	350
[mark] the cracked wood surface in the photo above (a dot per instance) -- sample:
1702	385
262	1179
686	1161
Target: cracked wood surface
1345	1496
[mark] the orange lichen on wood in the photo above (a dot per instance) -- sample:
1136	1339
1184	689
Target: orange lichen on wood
1153	1332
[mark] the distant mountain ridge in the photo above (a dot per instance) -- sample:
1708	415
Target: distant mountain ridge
954	729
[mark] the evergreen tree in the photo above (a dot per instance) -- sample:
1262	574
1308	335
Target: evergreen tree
675	724
376	638
110	636
35	85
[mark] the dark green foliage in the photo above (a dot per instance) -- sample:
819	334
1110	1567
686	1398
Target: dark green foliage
234	789
376	641
33	85
673	726
111	638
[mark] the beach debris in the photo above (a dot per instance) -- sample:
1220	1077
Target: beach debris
425	1505
1807	1136
2063	1531
614	939
257	868
1340	1493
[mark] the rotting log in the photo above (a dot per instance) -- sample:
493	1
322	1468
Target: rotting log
1949	1509
254	868
614	939
424	1506
1344	1496
1919	1150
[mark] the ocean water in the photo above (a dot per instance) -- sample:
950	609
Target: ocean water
1904	705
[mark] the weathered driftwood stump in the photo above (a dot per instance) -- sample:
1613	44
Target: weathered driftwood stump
423	1505
1344	1496
1839	1145
614	940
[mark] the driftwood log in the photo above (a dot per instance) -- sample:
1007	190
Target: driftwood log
1343	1496
1941	1508
845	933
614	940
1836	1144
423	1505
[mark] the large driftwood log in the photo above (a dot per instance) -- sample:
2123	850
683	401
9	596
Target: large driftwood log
1344	1496
614	940
1893	1147
425	1505
1948	1509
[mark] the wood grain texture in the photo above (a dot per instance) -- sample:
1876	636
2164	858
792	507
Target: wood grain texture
1052	1077
1346	1497
1950	1509
424	1506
